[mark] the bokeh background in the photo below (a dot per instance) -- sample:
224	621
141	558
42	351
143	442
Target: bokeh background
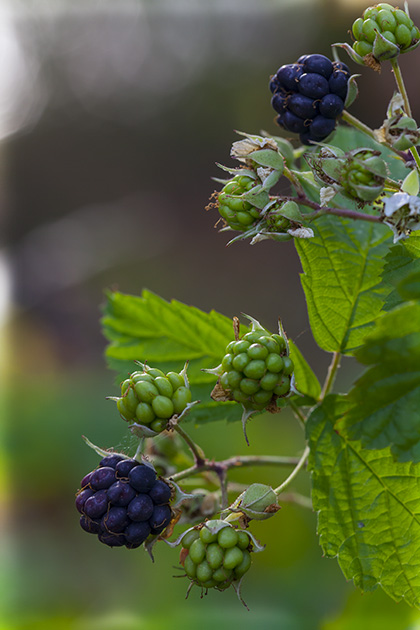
112	118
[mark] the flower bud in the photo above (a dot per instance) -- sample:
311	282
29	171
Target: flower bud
359	174
258	502
401	213
398	130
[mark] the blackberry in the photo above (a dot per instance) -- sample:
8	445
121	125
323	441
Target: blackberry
216	555
133	505
309	95
150	398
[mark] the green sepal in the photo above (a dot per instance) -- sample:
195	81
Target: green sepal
383	49
351	53
267	157
410	184
101	451
256	499
290	210
257	196
271	180
352	90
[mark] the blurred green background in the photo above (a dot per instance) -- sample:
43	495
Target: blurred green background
112	119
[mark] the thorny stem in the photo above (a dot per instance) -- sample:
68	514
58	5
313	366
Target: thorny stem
332	371
401	87
339	212
294	472
236	462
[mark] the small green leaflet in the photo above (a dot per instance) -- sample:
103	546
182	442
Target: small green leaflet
341	279
368	508
166	334
402	260
384	404
305	380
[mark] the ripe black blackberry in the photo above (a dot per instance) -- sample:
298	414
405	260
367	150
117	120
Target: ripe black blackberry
123	502
309	95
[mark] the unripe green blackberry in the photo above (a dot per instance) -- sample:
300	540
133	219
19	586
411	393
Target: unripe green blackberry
216	555
256	370
150	398
384	32
238	213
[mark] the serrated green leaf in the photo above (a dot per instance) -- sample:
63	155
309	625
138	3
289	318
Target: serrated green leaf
368	508
402	260
385	402
305	380
342	266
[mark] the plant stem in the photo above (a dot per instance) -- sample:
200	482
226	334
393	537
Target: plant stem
236	462
358	124
339	212
298	413
332	371
294	472
401	87
198	454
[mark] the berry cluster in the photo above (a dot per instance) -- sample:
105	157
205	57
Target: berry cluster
309	95
238	213
215	559
151	397
123	502
256	368
392	23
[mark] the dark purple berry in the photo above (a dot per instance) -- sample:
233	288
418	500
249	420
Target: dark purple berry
121	493
160	518
132	545
82	497
288	76
331	106
85	481
302	58
96	505
102	478
115	520
142	478
319	64
112	540
279	103
339	65
140	508
124	467
111	460
305	137
136	533
321	127
313	85
90	525
338	83
274	84
293	123
160	493
302	106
